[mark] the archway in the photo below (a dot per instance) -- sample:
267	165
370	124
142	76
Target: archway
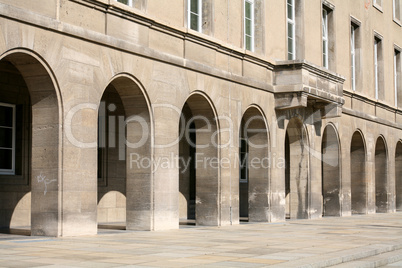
199	163
398	175
358	174
124	157
297	170
29	154
254	167
331	181
381	176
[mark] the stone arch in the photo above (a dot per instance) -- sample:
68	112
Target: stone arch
381	176
297	170
125	154
199	182
254	166
38	110
358	181
331	171
398	175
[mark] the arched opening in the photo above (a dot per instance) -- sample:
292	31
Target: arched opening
297	170
254	168
381	176
331	181
199	168
358	174
124	157
398	175
29	145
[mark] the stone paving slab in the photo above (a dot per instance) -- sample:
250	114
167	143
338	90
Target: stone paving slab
357	241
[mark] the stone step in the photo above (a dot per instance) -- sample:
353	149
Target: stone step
375	255
380	260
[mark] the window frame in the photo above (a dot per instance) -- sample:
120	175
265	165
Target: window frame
129	3
251	19
199	14
325	39
353	29
376	66
378	5
397	18
397	74
13	127
292	24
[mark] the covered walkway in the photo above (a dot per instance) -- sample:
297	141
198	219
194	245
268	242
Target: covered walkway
357	241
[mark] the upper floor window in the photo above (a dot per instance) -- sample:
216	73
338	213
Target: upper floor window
377	2
397	10
328	37
126	2
397	78
249	24
325	38
7	139
194	15
291	20
353	55
378	69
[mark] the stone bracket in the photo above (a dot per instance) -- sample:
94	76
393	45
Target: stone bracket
293	100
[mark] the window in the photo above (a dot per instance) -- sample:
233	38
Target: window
378	69
7	139
376	41
126	2
397	78
194	15
325	38
355	76
397	10
353	55
291	29
249	24
243	160
377	3
328	36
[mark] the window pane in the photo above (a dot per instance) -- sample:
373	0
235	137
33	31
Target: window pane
290	46
398	9
248	42
290	30
194	6
6	138
248	27
194	22
6	116
123	1
248	10
290	10
6	159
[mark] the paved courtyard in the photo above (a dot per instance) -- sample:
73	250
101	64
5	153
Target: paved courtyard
358	241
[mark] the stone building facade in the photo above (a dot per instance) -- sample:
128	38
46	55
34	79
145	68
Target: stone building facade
155	112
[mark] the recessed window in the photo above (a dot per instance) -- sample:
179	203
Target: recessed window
353	55
328	37
397	78
194	15
7	139
325	40
249	24
397	10
377	2
378	69
126	2
291	21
